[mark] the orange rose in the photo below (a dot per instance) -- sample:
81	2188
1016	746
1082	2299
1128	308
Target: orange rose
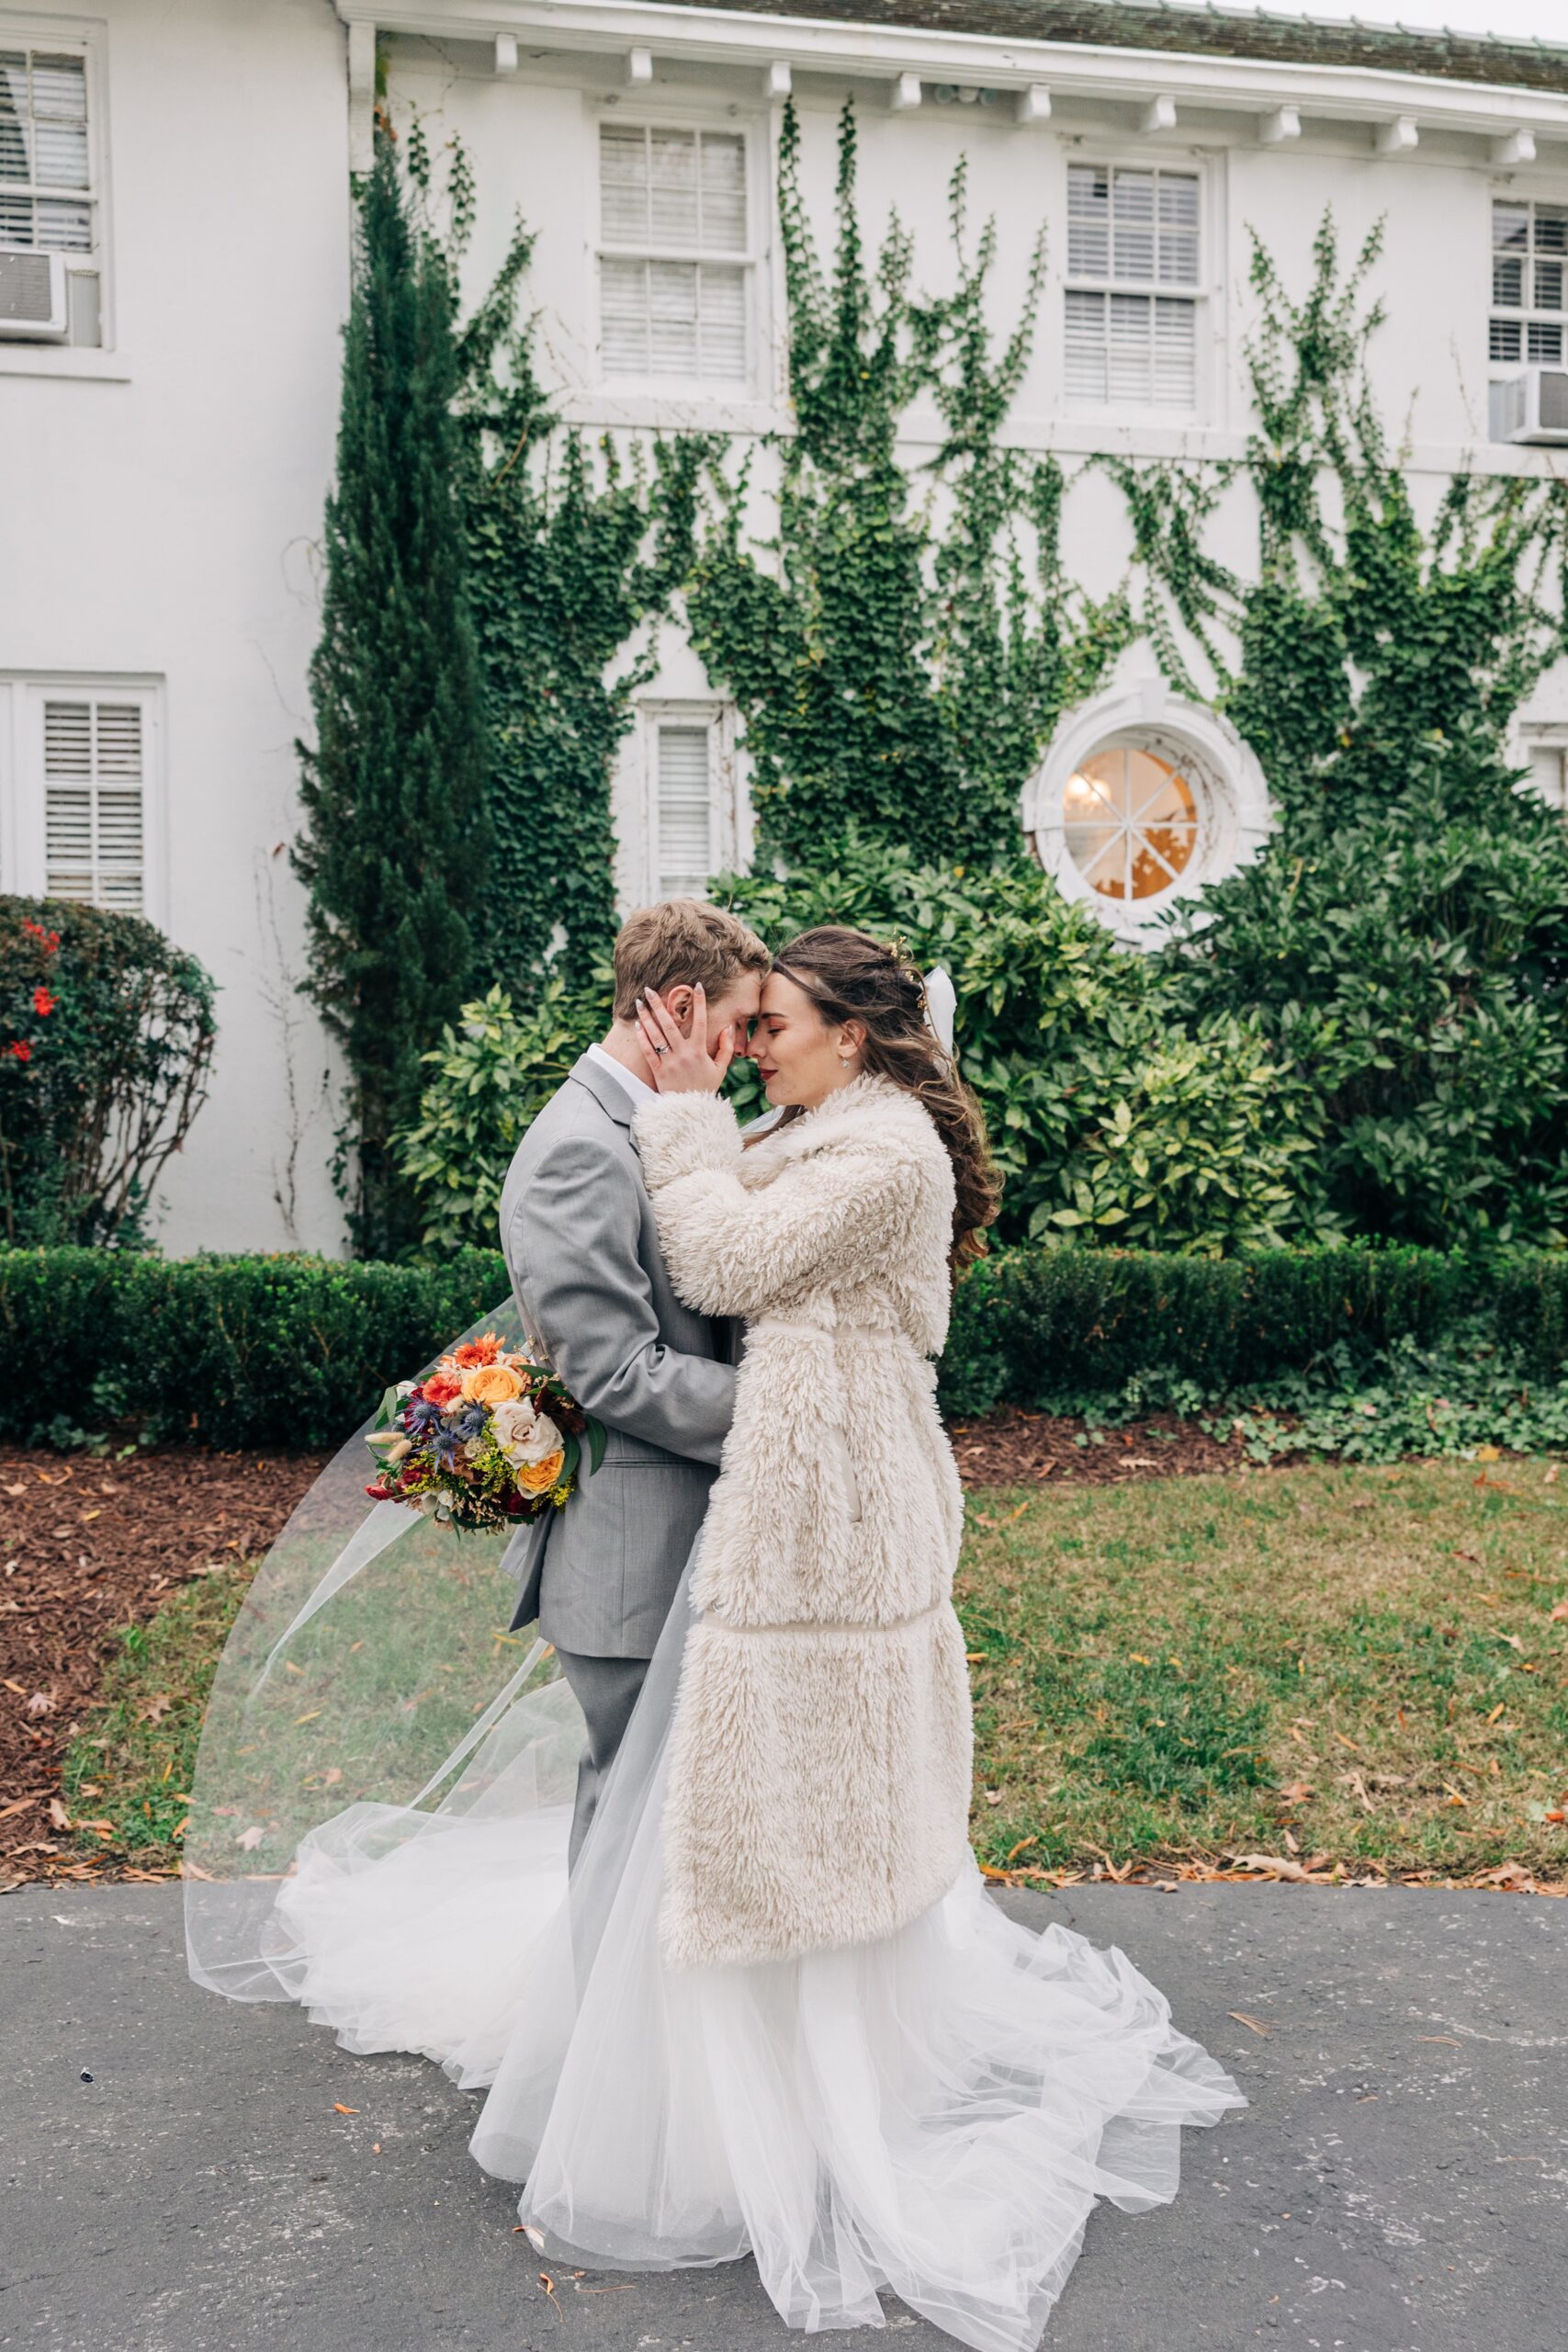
492	1384
538	1478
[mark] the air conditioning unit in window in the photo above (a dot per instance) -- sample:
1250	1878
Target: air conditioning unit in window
1534	406
33	296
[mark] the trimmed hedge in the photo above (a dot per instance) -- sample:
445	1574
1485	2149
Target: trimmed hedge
1057	1329
231	1352
295	1350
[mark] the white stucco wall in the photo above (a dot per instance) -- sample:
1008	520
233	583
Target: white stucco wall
160	508
163	498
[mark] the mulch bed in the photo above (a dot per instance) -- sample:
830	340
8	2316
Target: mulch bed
1012	1448
87	1546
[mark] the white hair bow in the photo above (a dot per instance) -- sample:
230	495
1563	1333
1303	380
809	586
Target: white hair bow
941	1007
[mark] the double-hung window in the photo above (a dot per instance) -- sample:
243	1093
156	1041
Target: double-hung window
674	262
1529	278
691	816
83	811
49	201
1131	291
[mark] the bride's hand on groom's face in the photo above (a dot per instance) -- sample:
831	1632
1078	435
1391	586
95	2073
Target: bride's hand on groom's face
682	1061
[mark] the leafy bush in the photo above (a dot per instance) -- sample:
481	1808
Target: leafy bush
489	1079
232	1351
1108	1120
107	1033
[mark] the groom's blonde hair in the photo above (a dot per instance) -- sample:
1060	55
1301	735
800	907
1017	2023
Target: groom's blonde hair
682	941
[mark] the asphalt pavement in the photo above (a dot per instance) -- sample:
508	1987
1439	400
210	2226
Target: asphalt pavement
1399	2183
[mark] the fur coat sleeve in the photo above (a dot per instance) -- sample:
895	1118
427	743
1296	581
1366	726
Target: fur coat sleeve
734	1248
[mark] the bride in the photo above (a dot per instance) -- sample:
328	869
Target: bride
772	2010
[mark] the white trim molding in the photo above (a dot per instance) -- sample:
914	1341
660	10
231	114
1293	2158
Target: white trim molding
1234	816
905	53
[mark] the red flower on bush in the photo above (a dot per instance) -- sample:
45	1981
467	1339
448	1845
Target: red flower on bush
50	940
22	1050
42	1001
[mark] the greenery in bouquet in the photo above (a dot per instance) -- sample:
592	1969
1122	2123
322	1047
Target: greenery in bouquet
488	1439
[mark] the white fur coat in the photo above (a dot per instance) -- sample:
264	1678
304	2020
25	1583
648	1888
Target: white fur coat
820	1756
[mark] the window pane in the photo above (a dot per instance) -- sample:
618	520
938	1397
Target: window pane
1510	227
62	227
93	812
672	317
1544	342
1085	373
685	816
622	184
722	343
1176	354
61	152
673	188
1505	339
1549	285
723	192
59	88
13	82
1507	282
623	316
1088	220
1133	205
1552	228
1128	353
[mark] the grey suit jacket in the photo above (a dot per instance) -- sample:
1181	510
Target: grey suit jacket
583	1251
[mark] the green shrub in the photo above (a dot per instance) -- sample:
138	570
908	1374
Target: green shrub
488	1080
1108	1120
107	1031
231	1352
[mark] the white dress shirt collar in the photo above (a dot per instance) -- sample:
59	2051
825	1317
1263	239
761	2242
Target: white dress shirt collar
638	1088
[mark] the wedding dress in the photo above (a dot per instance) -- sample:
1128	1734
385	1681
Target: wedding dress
933	2114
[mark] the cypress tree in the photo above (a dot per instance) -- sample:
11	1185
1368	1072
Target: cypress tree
396	845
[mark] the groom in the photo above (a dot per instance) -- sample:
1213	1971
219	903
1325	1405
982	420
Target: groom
588	1275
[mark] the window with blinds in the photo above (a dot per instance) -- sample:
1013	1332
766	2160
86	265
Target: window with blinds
1529	255
685	847
1132	294
94	801
673	265
47	200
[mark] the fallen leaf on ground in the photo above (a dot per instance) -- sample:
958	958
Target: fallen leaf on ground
339	2108
1253	2025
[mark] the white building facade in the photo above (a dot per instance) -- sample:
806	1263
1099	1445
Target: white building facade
174	239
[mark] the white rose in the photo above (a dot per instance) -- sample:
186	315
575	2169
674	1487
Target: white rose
523	1433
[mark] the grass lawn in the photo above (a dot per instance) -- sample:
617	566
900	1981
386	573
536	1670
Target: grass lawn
1356	1666
1366	1667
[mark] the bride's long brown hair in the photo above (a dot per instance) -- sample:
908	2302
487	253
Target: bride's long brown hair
850	977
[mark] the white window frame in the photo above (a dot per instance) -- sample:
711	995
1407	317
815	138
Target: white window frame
23	856
1544	744
752	261
61	37
1235	815
728	829
1197	296
1502	371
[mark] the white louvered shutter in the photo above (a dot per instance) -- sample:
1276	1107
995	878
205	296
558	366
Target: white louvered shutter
95	809
683	814
672	194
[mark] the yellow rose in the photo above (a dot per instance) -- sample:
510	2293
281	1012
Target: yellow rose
537	1477
492	1384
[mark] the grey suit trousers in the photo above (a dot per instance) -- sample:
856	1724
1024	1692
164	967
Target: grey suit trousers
606	1688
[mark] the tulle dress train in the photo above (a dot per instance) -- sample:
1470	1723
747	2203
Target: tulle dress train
935	2114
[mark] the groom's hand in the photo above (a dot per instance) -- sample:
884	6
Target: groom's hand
684	1064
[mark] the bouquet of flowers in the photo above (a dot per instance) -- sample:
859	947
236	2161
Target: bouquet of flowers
487	1438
